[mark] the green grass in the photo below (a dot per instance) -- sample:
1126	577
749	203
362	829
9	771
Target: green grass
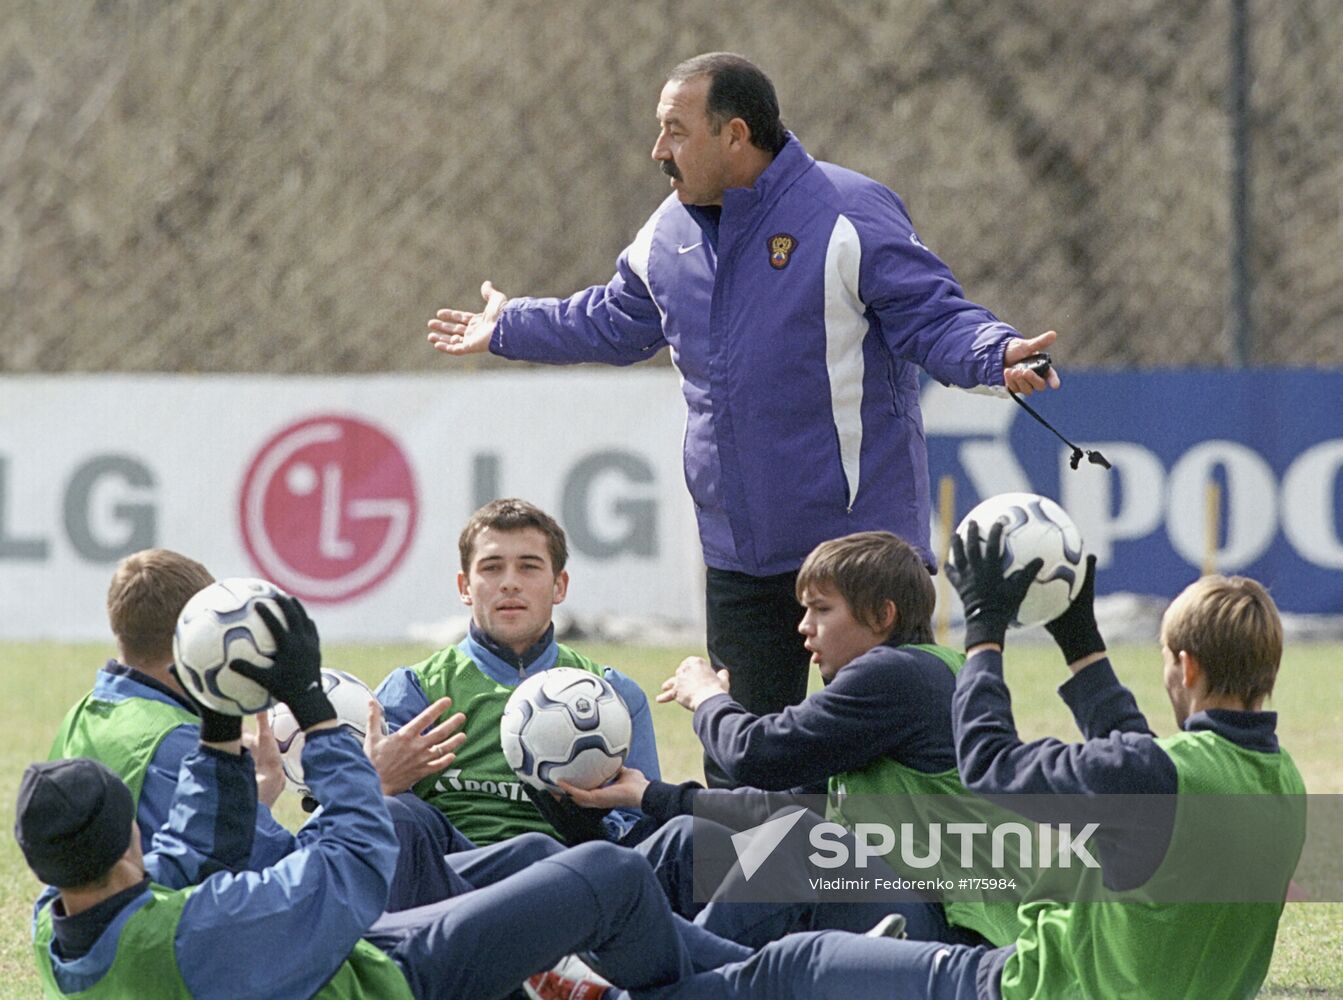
40	680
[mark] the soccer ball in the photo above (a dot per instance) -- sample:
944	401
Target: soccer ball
220	624
349	697
565	724
1035	527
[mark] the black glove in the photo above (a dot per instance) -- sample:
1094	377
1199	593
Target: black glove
991	602
216	727
295	677
574	823
1075	630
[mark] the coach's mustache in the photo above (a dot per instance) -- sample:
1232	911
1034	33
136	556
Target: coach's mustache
669	168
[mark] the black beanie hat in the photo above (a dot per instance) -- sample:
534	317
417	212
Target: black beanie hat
73	820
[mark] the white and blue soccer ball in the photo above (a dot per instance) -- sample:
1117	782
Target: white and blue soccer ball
1035	527
349	697
565	724
220	624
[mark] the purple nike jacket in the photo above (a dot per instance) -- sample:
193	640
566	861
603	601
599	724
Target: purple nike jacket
797	317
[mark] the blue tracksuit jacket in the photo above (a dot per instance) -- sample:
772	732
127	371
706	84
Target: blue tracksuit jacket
115	682
890	702
323	895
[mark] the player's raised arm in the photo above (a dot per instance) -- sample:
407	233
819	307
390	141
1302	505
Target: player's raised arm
455	332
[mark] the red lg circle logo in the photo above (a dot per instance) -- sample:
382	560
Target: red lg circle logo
328	508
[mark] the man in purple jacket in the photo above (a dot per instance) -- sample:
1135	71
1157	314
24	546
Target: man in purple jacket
798	303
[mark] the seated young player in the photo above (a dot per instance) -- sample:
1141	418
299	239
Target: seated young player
881	726
139	721
186	920
1221	644
513	556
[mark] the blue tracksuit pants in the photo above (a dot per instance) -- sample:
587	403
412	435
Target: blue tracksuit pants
595	898
833	965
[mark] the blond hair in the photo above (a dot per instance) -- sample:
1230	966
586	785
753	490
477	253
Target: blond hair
1231	625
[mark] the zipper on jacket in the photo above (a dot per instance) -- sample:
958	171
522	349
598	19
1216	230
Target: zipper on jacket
891	381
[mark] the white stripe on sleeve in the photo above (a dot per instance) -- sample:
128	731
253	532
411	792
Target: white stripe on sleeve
845	328
638	253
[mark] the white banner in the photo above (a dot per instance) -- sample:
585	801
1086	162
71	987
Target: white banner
349	492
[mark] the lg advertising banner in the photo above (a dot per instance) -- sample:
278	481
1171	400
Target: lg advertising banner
351	491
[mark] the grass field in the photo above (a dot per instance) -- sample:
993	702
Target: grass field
39	681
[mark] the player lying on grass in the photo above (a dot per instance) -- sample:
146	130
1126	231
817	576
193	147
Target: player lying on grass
1221	644
185	919
880	727
512	556
139	721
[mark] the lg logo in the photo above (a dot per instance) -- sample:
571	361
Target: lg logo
107	512
325	505
328	507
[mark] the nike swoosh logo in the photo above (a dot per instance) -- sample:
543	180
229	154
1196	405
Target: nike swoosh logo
682	248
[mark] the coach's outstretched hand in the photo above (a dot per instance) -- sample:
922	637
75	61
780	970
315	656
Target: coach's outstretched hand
216	727
991	601
453	331
295	677
1076	630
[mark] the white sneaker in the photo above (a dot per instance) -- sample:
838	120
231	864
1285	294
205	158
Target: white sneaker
890	926
571	979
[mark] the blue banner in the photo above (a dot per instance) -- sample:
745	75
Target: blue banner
1271	441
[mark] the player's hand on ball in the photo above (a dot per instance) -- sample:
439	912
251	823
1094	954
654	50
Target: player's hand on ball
694	681
454	331
1076	630
295	675
216	727
626	791
574	823
416	750
976	571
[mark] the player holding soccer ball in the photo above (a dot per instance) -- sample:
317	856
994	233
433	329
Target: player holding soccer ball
1221	643
512	556
880	727
185	919
139	721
